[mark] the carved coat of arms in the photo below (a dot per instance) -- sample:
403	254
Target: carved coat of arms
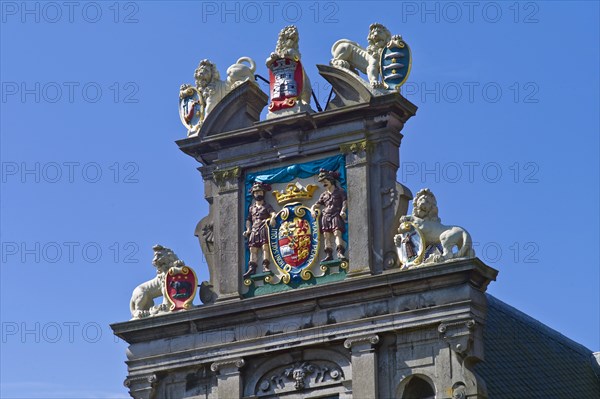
180	287
191	108
285	82
395	63
410	245
301	239
294	241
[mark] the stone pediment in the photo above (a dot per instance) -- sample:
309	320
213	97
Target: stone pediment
239	109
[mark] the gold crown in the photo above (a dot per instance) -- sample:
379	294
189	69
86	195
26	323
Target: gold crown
294	191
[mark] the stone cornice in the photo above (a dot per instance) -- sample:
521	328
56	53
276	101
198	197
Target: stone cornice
356	290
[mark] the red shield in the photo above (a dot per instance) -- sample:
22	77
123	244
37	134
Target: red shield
285	82
295	246
180	287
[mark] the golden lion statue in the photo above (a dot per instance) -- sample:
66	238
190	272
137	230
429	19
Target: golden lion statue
425	218
350	55
142	299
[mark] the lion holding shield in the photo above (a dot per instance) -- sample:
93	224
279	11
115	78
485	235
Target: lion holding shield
434	234
350	55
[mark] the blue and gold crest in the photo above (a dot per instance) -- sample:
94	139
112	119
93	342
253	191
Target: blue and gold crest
395	63
294	242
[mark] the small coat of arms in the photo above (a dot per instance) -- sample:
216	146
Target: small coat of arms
285	82
180	287
191	108
395	63
410	245
386	60
294	241
289	86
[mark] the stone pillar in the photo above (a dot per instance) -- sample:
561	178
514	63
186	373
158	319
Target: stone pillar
364	366
383	166
359	230
142	387
227	222
229	382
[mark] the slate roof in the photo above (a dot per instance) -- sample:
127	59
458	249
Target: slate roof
526	359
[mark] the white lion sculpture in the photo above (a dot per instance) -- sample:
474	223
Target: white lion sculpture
142	299
287	45
350	55
211	89
425	218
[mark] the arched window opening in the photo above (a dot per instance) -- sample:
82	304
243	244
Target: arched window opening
418	388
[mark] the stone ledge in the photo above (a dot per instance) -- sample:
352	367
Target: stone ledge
360	289
166	356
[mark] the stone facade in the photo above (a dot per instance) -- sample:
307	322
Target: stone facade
398	313
364	337
367	329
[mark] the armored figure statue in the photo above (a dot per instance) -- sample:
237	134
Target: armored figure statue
256	228
333	215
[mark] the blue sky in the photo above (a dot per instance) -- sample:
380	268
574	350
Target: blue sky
506	136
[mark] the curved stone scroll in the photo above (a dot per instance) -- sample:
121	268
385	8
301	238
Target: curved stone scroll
348	87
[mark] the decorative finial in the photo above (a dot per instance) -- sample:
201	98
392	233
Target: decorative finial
290	87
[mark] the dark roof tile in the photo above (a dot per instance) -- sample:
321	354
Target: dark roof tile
526	359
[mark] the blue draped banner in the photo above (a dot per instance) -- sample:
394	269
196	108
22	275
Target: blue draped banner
303	170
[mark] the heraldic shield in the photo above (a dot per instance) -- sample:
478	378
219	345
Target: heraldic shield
410	245
395	63
286	82
180	287
191	108
294	241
